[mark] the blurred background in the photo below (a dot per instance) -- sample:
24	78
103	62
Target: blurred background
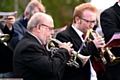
61	10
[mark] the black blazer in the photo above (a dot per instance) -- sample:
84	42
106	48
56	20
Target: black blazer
32	62
72	73
110	23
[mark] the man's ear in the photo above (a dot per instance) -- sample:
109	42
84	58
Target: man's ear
27	15
38	27
77	20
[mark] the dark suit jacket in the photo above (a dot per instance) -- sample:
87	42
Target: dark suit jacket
110	23
72	73
32	62
6	55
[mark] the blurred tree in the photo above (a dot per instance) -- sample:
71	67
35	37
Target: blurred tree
6	5
61	10
10	6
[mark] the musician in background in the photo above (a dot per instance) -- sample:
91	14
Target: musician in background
84	18
110	23
19	26
31	61
6	55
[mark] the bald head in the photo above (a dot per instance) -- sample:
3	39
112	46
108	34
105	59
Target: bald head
41	25
38	18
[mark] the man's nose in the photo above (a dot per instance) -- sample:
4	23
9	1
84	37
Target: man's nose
91	25
52	32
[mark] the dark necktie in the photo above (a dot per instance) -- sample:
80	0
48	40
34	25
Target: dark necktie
43	46
83	36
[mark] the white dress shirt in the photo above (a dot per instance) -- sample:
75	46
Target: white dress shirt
92	71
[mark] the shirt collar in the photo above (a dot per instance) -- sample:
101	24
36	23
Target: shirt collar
77	31
80	33
118	4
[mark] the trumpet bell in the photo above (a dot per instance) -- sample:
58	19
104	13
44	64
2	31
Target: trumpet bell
114	62
84	59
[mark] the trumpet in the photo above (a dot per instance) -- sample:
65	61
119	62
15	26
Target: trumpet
95	34
113	60
83	58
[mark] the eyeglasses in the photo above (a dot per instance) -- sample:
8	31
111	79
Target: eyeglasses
50	28
88	21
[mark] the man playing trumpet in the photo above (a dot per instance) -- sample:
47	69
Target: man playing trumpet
31	60
84	18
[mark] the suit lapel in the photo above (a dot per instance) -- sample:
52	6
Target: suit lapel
35	41
75	38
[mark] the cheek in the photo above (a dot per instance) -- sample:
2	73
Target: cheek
47	34
85	27
47	37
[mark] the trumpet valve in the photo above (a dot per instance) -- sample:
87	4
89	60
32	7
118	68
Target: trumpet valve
52	44
72	62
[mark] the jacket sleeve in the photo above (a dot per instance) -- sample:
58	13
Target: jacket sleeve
16	36
38	60
109	23
90	49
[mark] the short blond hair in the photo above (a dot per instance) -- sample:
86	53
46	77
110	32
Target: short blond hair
78	11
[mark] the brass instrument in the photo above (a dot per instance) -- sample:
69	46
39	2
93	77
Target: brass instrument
95	34
4	37
113	60
83	59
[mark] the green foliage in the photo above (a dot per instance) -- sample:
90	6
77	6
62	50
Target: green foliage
6	5
11	5
61	10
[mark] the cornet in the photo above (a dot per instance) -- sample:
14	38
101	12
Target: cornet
95	34
83	59
113	60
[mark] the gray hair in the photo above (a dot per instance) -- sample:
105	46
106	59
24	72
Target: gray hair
34	4
38	18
